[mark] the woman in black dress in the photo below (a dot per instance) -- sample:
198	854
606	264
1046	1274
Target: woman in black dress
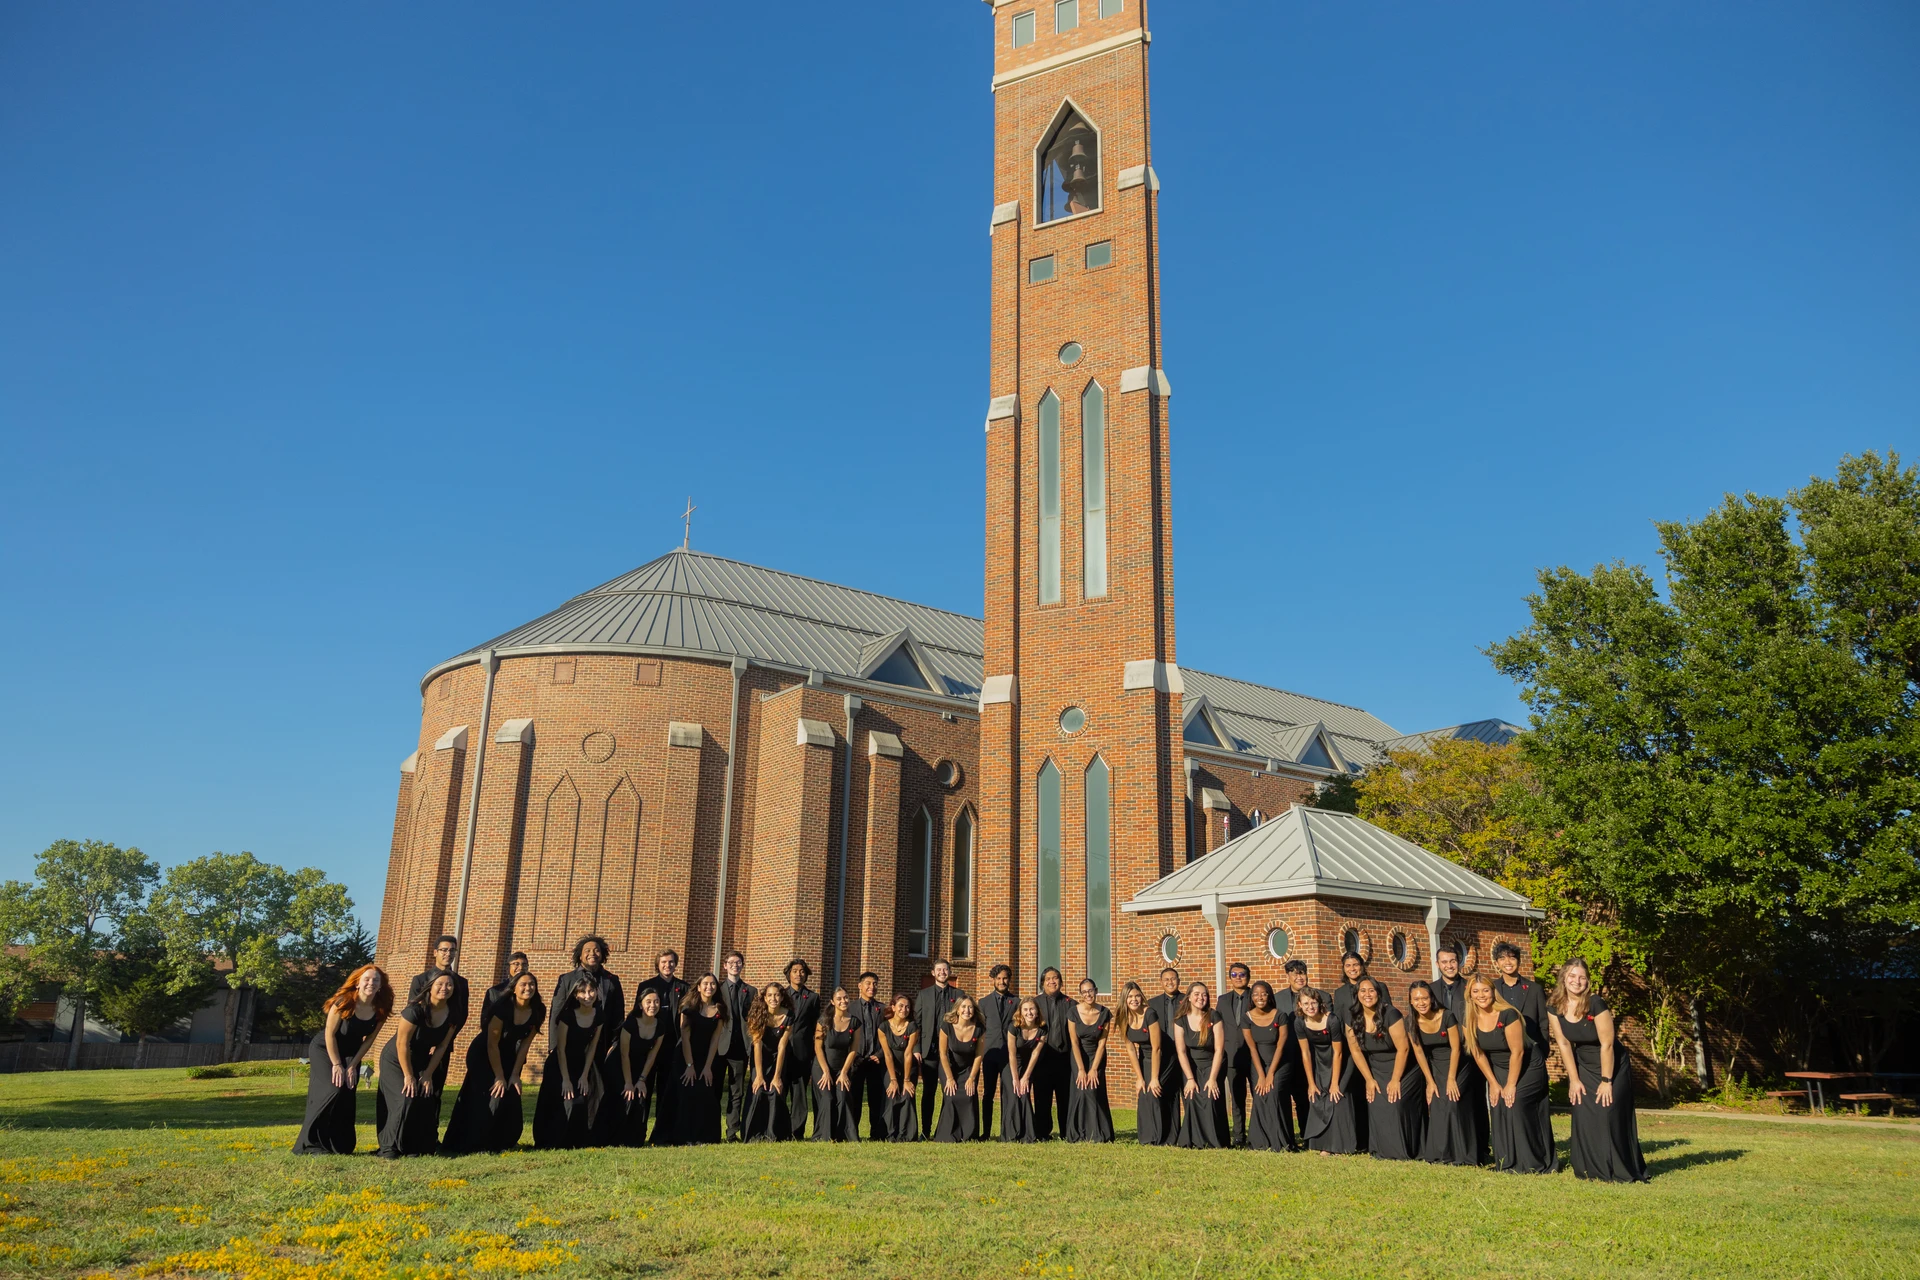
1331	1127
703	1036
1435	1037
1606	1138
960	1066
1156	1109
900	1054
407	1108
571	1087
487	1115
834	1041
643	1039
354	1012
1026	1045
1200	1040
1516	1082
1396	1109
1267	1036
767	1027
1089	1117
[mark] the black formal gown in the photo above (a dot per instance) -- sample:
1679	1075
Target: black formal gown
1394	1129
557	1120
1266	1123
1606	1140
1331	1126
1156	1120
767	1119
633	1121
1089	1118
696	1118
836	1113
959	1114
410	1126
1450	1137
332	1110
1016	1113
1203	1120
1523	1132
480	1121
902	1125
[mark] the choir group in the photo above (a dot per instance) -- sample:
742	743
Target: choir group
1459	1073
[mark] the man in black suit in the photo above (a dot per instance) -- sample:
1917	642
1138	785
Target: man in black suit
736	1065
444	951
589	961
1523	994
806	1016
1450	993
503	989
996	1024
1166	1011
1290	1079
1053	1078
1232	1007
870	1076
930	1009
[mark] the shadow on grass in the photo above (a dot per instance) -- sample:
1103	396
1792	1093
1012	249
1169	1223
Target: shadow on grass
1658	1165
252	1111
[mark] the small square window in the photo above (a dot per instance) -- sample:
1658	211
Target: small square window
563	671
1022	29
647	673
1040	270
1110	7
1100	254
1066	15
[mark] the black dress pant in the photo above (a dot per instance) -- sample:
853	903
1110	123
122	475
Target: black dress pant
1052	1091
736	1084
1239	1082
932	1086
870	1092
1291	1083
995	1063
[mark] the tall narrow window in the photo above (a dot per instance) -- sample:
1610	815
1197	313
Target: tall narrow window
1066	15
1099	875
963	886
1049	498
916	889
1093	491
1069	168
1049	866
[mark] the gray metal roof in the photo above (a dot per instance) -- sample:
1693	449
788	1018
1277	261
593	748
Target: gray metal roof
1306	852
1262	721
1497	733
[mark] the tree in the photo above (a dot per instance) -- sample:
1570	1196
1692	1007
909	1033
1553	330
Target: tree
17	979
260	920
139	993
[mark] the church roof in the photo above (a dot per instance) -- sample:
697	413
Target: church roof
1263	721
1307	852
1495	733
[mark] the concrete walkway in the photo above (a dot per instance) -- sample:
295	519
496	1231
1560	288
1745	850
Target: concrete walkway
1908	1128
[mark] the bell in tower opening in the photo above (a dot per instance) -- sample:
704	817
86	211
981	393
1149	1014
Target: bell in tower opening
1070	168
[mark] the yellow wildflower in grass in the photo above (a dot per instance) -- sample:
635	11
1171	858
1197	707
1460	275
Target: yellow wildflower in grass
188	1215
535	1219
498	1253
446	1184
71	1169
14	1227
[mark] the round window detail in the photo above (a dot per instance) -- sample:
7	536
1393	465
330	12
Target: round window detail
1070	354
1405	952
947	773
1170	949
1358	942
1073	720
1278	942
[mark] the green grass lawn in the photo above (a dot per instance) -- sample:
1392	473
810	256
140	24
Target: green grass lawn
151	1173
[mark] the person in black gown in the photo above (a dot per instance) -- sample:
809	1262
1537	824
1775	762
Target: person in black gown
1435	1036
1516	1082
445	949
805	1005
354	1013
704	1030
487	1115
1089	1117
960	1066
836	1052
1450	993
1331	1128
571	1086
1381	1050
638	1053
1268	1037
1200	1042
1606	1137
1156	1106
1026	1041
407	1108
899	1058
767	1035
610	998
503	990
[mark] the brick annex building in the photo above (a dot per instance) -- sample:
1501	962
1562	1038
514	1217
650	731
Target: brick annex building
703	754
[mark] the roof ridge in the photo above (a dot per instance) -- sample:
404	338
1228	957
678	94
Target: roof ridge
1274	688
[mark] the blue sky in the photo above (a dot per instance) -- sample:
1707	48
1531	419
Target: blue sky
334	341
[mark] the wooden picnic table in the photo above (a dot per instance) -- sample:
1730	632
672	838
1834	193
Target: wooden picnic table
1817	1081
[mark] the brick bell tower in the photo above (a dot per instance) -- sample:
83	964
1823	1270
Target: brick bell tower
1082	780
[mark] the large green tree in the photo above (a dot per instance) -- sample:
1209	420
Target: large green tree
140	992
1732	764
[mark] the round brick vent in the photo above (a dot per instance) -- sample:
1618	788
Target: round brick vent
597	746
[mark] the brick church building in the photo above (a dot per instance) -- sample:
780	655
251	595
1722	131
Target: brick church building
703	754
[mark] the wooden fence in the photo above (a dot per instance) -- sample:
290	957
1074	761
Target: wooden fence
21	1056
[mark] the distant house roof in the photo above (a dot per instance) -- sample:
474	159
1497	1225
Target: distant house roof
1313	852
1497	733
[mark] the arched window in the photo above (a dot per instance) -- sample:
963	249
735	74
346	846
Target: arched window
1093	490
963	886
1049	498
916	888
1099	875
1049	866
1069	168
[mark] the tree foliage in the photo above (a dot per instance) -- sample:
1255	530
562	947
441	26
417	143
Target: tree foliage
139	988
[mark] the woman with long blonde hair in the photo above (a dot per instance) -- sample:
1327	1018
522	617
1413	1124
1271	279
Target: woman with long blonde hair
1606	1138
354	1012
1156	1108
960	1068
1200	1042
1516	1081
1026	1045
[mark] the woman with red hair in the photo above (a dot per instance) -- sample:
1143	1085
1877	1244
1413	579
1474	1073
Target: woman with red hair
354	1013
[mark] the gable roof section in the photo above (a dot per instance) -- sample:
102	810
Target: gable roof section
1496	733
1313	852
1260	721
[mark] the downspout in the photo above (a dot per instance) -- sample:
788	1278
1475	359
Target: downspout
726	811
846	811
1439	912
491	661
1215	913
